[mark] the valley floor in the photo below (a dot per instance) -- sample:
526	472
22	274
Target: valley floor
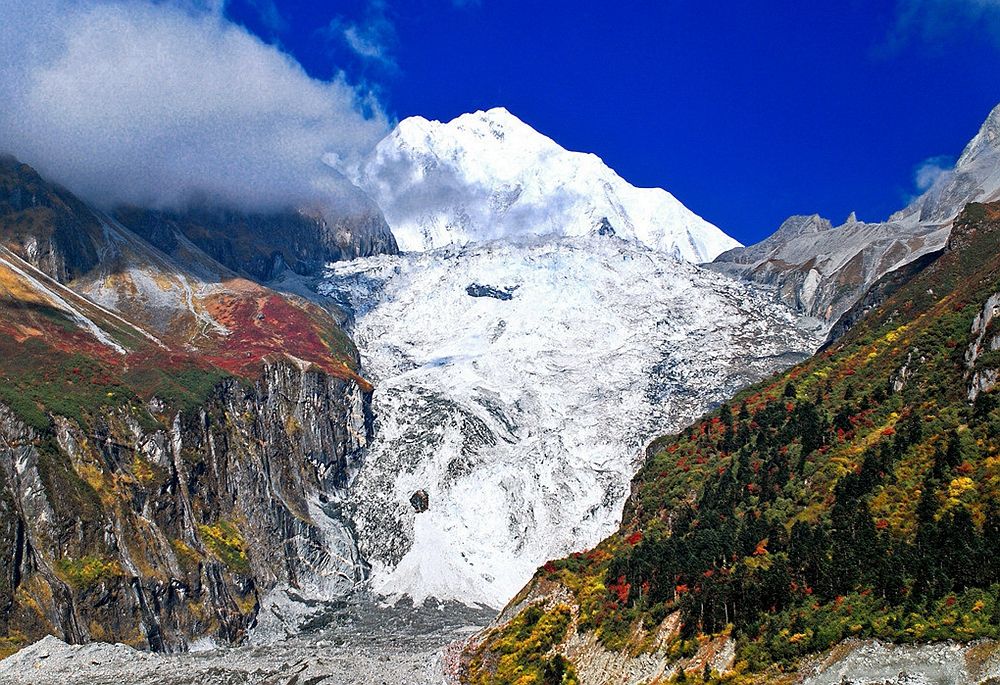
344	643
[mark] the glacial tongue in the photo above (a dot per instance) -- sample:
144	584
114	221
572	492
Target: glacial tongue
516	387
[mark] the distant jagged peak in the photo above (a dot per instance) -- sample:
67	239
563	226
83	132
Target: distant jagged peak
801	224
986	141
806	224
823	271
791	229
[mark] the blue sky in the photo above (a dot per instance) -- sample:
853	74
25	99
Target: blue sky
747	112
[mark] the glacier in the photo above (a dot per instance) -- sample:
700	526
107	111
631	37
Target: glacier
517	384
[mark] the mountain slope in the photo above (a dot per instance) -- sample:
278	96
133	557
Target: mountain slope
855	495
975	178
488	176
821	270
170	433
261	246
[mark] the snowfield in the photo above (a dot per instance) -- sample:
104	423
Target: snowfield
517	385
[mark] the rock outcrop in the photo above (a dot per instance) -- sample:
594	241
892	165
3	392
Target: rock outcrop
262	246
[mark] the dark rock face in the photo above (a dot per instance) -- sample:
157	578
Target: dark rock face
155	537
52	228
880	291
420	501
261	246
605	227
477	290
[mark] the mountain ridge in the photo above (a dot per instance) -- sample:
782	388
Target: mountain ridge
152	405
821	270
851	497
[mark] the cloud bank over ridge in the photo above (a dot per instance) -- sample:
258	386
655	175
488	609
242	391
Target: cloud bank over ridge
161	103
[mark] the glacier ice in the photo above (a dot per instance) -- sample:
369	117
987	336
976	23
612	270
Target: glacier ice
524	419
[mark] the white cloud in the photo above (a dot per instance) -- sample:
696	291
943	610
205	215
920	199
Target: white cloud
372	39
930	170
935	22
154	103
269	15
363	42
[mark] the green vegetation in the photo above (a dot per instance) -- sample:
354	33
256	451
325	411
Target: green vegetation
35	381
857	495
226	542
181	389
521	652
188	558
12	643
87	571
77	498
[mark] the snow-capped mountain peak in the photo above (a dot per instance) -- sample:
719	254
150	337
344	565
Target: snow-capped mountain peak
986	142
497	124
489	176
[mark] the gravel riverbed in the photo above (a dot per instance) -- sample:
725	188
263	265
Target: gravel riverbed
357	642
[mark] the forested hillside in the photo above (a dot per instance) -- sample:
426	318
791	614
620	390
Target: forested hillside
855	495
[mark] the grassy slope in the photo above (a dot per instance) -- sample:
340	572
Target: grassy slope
855	495
50	365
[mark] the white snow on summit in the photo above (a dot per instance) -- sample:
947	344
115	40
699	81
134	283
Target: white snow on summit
489	176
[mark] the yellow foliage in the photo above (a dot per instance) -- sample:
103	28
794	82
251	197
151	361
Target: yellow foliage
185	555
893	336
226	542
11	643
142	471
960	486
87	570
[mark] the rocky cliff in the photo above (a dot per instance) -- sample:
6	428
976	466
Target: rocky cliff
126	532
173	438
